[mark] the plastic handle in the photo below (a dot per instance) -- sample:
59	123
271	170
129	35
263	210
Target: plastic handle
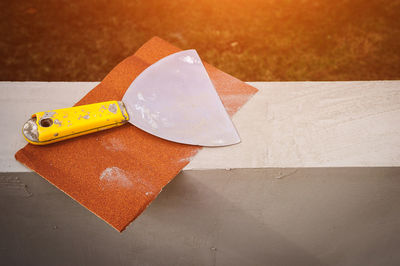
57	125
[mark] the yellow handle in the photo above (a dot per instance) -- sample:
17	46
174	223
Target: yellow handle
56	125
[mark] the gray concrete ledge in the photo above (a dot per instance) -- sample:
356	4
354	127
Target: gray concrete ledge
324	216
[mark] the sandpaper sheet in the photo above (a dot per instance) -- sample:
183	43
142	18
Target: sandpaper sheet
118	172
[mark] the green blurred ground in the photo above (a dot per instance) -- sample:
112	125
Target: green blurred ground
254	40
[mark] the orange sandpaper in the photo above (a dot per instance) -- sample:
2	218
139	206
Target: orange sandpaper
116	173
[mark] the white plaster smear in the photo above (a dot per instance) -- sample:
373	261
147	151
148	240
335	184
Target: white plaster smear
114	177
286	124
113	144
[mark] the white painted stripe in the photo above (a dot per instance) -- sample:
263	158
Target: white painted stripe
286	124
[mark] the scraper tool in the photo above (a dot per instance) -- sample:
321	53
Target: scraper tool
173	99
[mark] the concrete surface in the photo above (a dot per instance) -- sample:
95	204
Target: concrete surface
257	216
317	216
286	124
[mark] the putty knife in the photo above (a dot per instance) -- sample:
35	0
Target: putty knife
173	99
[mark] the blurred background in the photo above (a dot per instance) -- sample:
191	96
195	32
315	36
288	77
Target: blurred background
254	40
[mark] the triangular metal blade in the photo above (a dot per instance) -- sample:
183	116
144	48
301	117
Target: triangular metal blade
175	99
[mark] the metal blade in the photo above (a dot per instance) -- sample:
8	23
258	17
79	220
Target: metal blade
174	99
